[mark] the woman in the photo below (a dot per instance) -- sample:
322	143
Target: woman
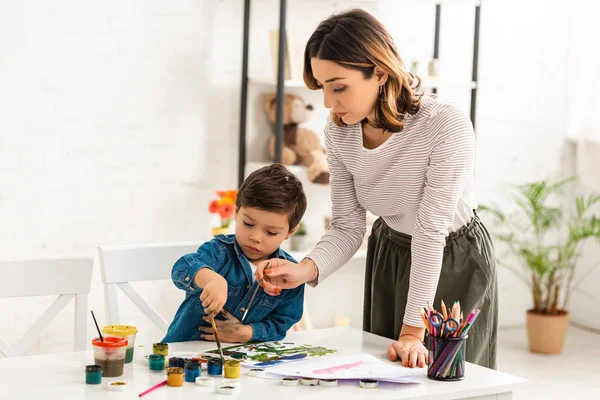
408	158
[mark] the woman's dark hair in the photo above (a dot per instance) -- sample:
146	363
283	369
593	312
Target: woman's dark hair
355	39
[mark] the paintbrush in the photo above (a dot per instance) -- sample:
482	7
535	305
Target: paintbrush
214	326
254	295
97	327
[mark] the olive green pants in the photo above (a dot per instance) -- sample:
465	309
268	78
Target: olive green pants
468	275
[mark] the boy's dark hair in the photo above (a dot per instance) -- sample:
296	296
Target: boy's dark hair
274	188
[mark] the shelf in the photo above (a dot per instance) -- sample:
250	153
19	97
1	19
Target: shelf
435	83
299	170
427	83
577	139
268	81
291	83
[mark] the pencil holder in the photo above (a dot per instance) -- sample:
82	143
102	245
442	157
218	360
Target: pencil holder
446	358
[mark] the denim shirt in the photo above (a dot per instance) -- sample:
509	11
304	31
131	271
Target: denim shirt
270	316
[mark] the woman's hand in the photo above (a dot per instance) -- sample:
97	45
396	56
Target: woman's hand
284	274
231	330
409	348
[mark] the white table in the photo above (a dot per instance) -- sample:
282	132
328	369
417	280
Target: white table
62	376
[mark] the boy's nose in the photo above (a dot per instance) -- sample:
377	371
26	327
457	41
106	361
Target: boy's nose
255	239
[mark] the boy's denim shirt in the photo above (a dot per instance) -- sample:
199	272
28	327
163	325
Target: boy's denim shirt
270	316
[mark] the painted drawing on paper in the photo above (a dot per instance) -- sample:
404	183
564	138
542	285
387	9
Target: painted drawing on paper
272	353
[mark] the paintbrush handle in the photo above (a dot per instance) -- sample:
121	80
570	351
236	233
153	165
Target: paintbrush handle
214	326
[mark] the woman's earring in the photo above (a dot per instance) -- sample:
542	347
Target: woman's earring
380	91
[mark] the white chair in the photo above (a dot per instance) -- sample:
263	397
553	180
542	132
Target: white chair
69	278
124	264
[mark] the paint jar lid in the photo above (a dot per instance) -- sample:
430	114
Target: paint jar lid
309	381
290	381
110	341
93	368
256	372
118	386
120	330
226	389
328	382
368	383
156	357
205	381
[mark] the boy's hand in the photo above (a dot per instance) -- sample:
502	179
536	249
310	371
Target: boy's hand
214	296
231	330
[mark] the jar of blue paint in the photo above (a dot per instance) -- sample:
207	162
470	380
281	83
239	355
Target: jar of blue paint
156	362
192	371
215	366
93	374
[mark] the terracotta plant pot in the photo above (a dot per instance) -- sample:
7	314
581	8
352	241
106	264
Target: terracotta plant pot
546	333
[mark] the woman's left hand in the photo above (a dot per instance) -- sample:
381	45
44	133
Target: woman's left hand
409	350
230	330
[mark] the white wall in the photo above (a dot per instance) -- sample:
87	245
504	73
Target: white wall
120	118
583	94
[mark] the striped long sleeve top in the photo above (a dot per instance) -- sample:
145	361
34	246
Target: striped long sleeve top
420	181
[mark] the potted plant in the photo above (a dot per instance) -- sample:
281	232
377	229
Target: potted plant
546	236
224	206
298	239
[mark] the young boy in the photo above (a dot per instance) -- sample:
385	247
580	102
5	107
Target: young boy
220	276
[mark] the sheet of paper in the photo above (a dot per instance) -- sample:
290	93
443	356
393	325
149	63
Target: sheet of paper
269	354
350	366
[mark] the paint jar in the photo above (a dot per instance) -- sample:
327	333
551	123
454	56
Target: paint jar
156	362
176	362
215	366
174	376
110	355
446	358
160	348
202	361
232	369
192	371
124	331
93	374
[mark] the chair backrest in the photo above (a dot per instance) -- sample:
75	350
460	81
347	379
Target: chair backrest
124	264
67	277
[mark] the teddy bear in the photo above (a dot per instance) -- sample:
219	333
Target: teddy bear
300	145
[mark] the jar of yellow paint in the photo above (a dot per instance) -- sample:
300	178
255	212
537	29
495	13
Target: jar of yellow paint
232	369
175	376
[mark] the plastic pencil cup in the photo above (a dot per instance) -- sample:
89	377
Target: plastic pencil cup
446	358
125	331
110	355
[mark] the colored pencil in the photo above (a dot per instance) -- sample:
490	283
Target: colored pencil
163	383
